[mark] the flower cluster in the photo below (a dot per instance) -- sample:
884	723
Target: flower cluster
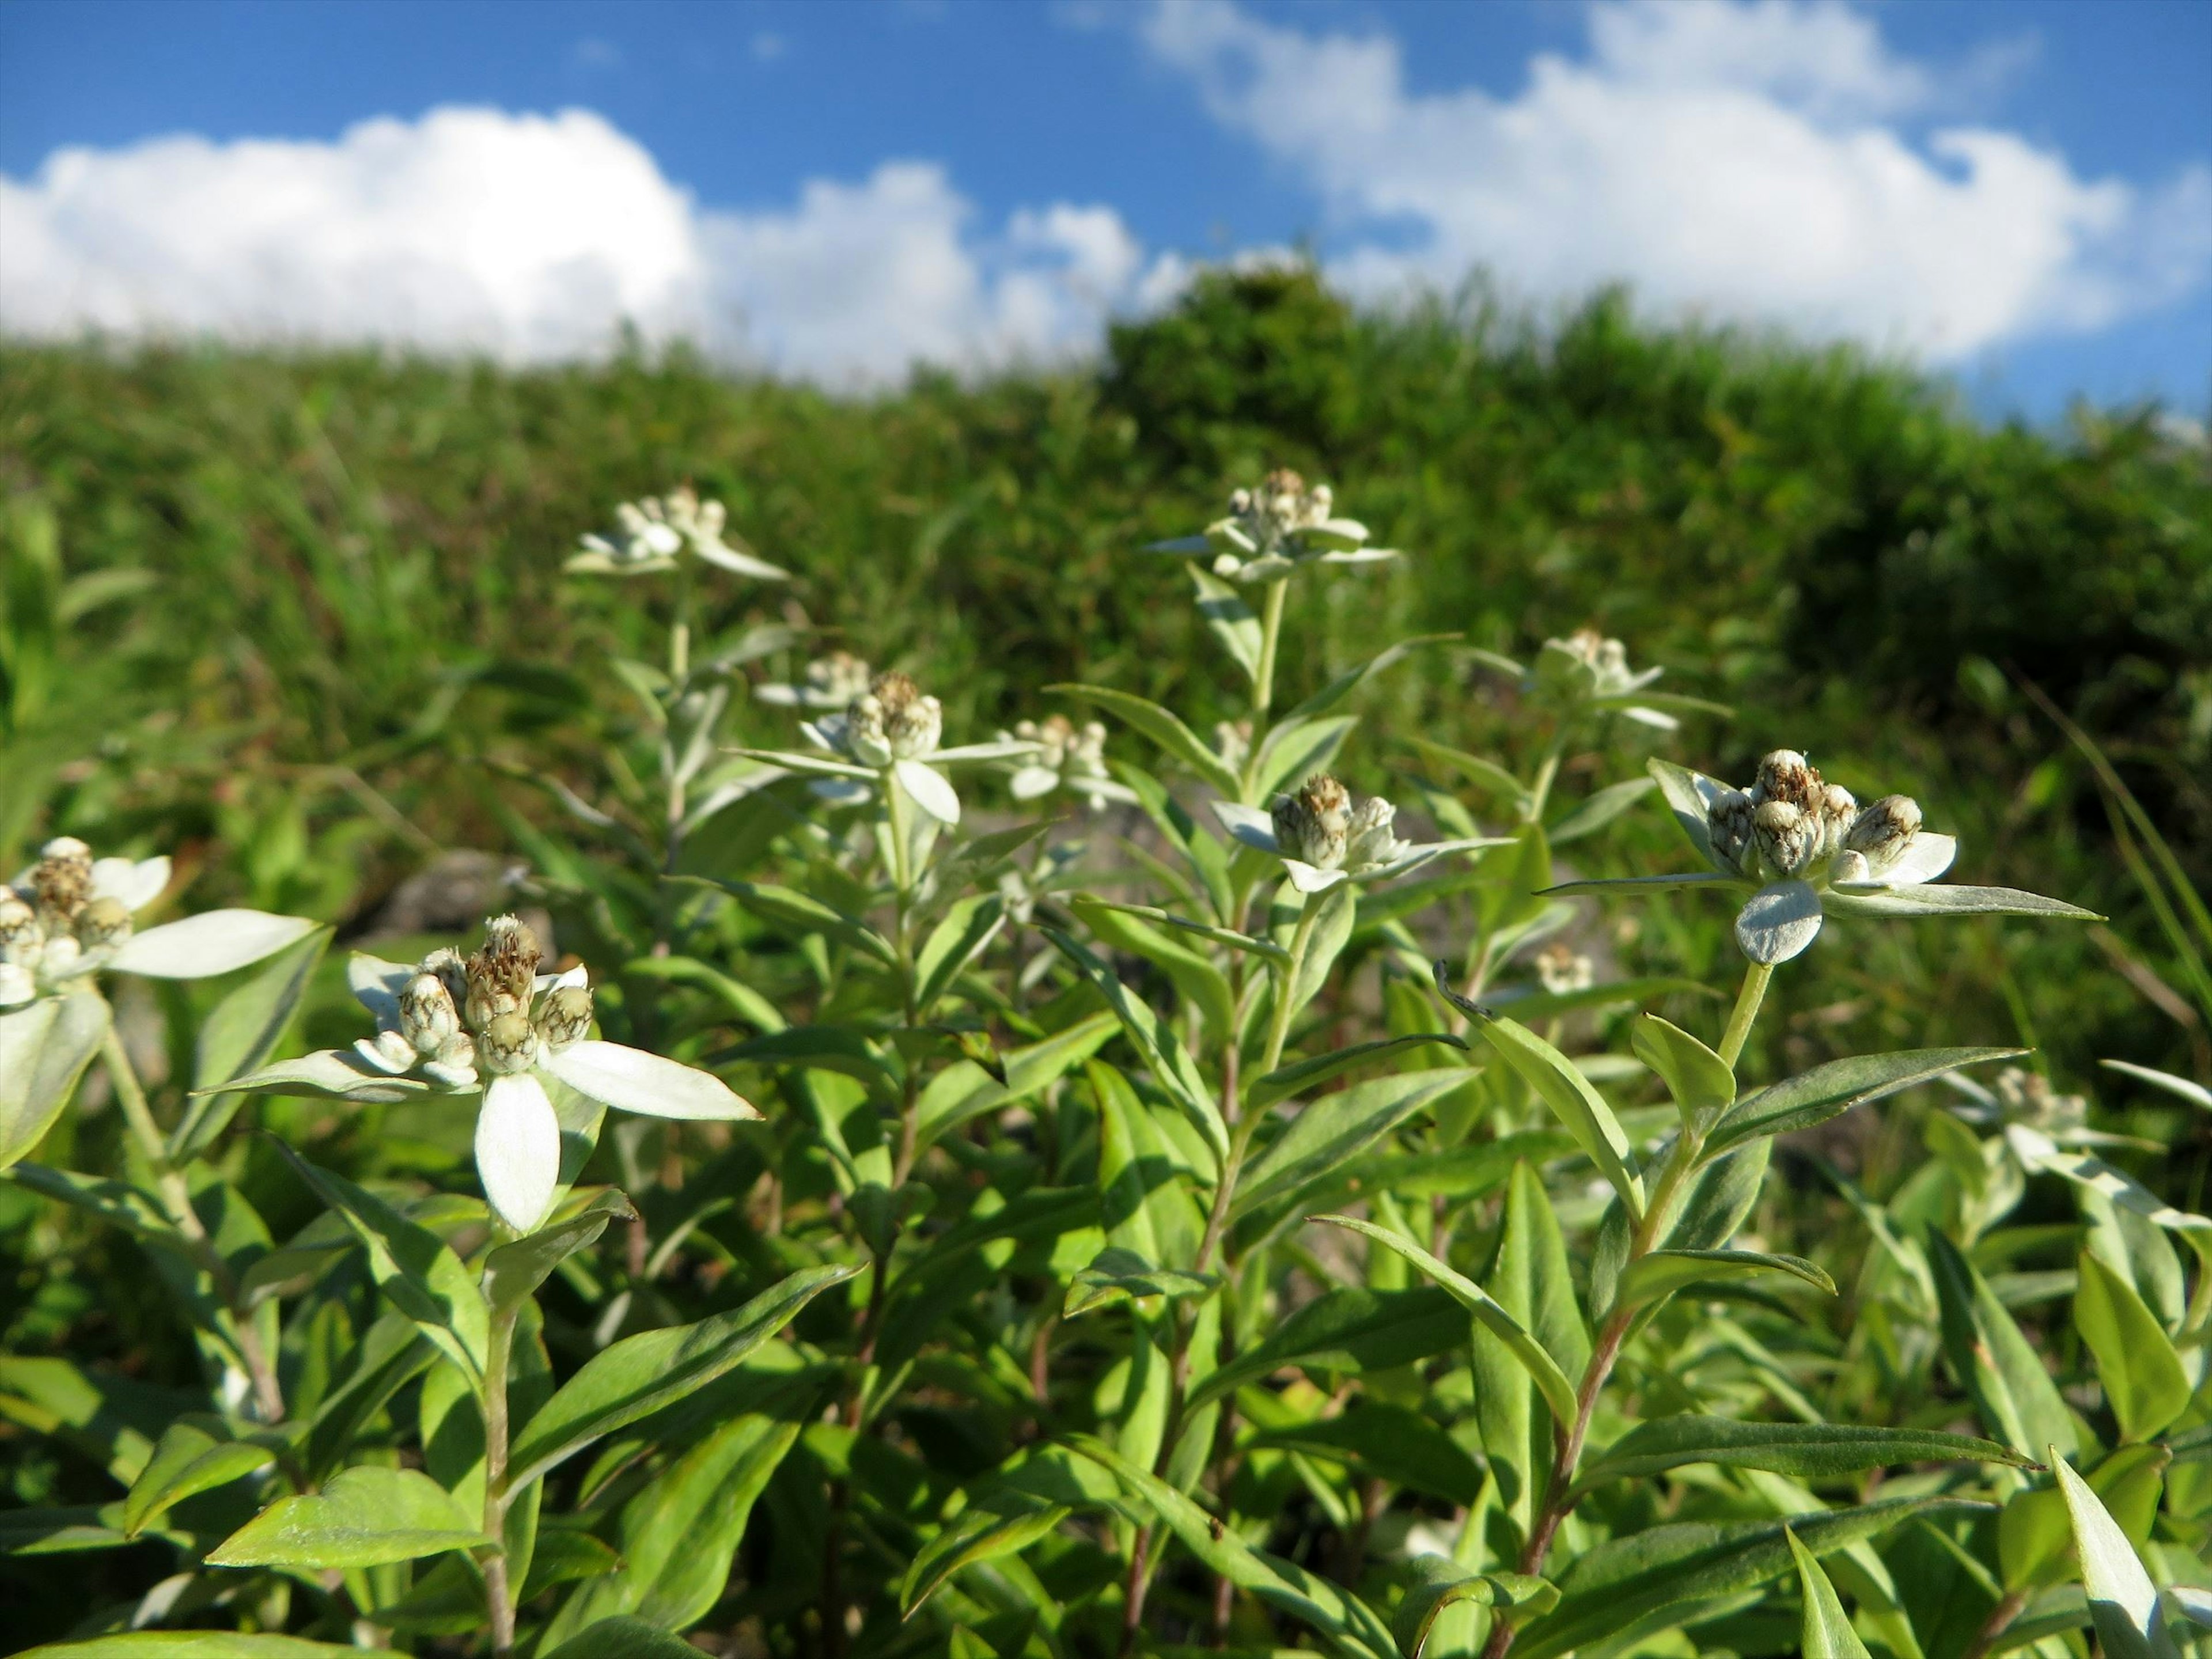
653	534
491	1022
1276	526
1323	837
70	914
1064	756
830	682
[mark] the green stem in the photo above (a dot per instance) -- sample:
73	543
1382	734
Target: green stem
499	1589
1271	631
176	1197
1746	1010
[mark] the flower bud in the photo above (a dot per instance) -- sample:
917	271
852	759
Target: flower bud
63	878
1561	969
1850	866
103	924
1313	824
1787	838
1727	826
20	936
427	1018
1785	775
1882	830
1835	810
503	973
912	723
1370	839
509	1044
564	1016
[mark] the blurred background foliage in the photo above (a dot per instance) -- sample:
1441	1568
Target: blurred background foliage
302	618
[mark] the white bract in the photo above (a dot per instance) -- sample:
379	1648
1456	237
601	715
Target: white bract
1322	838
1064	756
1802	848
70	914
492	1023
889	731
653	534
1273	529
830	682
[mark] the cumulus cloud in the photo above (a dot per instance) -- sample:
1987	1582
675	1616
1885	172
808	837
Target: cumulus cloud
541	237
1741	161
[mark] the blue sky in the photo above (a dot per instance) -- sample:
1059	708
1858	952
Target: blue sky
837	189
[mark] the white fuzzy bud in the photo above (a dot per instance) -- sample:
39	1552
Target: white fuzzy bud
507	1045
21	935
1370	839
427	1018
61	879
503	973
1727	826
564	1016
1313	825
103	924
1835	810
1785	775
1787	838
1884	829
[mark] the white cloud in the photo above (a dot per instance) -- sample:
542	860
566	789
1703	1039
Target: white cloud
1740	160
536	238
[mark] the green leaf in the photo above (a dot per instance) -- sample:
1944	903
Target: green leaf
1264	948
411	1265
1701	1081
1690	796
1162	1052
1827	1631
964	1090
1347	1622
968	926
740	999
2018	1402
1832	1089
1334	1128
1558	1392
1531	1279
364	1517
1349	1330
977	1536
625	1638
1932	900
1164	728
644	1372
195	1454
1654	1579
1660	1273
45	1046
1295	1079
1199	980
1601	809
1387	1442
239	1034
2124	1604
192	1644
515	1270
1439	1582
1231	620
1488	774
803	915
2144	1380
2034	1537
1810	1451
1294	751
1562	1088
1335	911
1353	678
1116	1275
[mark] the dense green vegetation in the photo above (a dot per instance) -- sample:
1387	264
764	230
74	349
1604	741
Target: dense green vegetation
303	622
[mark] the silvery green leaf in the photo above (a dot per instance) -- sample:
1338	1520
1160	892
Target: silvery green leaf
1028	782
1644	716
330	1075
1296	750
1778	923
1228	618
2124	1603
1248	824
1361	555
1343	532
1691	795
929	790
519	1150
202	946
1939	901
632	1080
132	883
43	1050
1627	884
1426	852
1307	880
2192	1603
1924	858
1180	544
998	750
2195	1093
376	985
1163	727
744	564
816	765
1600	809
1268	568
842	792
1566	1091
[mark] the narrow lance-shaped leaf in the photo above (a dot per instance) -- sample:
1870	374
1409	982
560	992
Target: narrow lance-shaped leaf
2017	1402
1170	1062
363	1517
1831	1090
1827	1632
2143	1377
1816	1451
2124	1603
1662	1273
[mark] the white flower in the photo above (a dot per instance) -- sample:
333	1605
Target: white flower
1562	970
650	535
1322	838
1064	756
1802	848
890	731
70	914
493	1023
1586	670
830	682
1276	527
